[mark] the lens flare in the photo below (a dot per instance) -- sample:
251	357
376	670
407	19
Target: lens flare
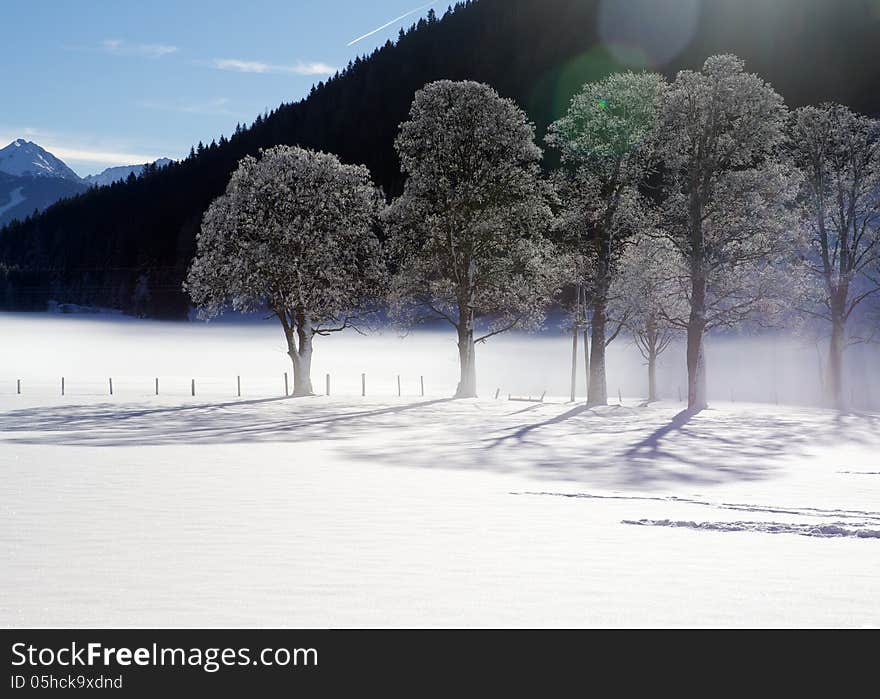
552	95
661	29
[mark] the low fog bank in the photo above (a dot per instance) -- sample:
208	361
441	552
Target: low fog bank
86	350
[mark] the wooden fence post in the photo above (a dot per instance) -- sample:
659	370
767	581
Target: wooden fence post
328	384
157	385
238	383
18	386
422	378
497	393
194	387
574	352
286	392
398	386
363	385
62	385
111	386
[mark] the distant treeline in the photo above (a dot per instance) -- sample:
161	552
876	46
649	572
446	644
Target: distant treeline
128	246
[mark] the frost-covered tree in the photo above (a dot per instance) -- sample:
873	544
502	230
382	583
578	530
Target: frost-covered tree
838	153
466	235
648	298
295	234
727	198
606	143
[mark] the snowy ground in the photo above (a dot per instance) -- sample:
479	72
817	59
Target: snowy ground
386	511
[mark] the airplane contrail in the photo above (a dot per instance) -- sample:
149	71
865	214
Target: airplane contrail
388	24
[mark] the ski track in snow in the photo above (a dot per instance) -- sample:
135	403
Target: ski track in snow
802	511
832	530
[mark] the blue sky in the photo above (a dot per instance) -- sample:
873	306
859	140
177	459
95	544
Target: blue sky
113	82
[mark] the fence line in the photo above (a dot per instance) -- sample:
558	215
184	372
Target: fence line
382	385
260	386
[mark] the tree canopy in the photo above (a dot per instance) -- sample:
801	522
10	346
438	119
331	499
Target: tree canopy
295	233
467	234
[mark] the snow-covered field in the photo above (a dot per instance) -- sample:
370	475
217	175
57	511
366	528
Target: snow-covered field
136	510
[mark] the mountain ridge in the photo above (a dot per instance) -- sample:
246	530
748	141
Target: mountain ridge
32	179
121	172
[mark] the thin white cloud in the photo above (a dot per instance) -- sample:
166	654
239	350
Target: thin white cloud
119	47
215	107
298	68
98	156
389	23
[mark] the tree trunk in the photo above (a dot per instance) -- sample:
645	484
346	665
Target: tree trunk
696	356
574	362
299	349
835	361
576	318
820	373
651	345
586	354
597	392
696	366
467	385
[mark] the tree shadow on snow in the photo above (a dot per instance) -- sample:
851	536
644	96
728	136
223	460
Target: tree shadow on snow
615	446
241	421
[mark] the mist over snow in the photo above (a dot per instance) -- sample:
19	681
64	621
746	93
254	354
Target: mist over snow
88	349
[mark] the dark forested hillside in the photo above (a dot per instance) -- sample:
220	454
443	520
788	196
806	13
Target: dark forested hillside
129	245
21	196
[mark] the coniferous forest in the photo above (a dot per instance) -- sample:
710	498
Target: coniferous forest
129	246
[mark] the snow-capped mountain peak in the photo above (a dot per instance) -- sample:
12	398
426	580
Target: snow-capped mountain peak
31	178
26	159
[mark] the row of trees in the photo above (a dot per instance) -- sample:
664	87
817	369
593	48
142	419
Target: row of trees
677	207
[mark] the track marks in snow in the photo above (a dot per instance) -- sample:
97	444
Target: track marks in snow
831	530
770	509
859	524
